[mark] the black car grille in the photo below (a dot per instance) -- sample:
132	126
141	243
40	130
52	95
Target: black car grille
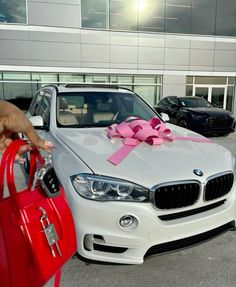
219	186
176	195
173	216
220	122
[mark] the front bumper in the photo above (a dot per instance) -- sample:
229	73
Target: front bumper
203	127
101	238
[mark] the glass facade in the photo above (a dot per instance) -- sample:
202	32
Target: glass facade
218	90
206	17
120	16
94	14
230	98
19	87
13	11
203	17
226	18
178	16
151	16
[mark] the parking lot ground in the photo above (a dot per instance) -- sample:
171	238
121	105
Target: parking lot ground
211	264
229	142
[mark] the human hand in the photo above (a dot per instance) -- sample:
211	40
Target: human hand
14	121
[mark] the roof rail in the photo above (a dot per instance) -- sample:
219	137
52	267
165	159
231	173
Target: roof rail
111	86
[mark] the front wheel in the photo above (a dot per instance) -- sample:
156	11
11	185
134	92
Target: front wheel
183	123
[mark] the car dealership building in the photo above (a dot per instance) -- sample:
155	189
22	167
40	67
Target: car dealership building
157	48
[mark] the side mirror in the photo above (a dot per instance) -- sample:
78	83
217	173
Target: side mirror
165	117
37	122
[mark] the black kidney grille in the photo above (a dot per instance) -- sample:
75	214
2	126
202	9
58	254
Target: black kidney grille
219	186
220	122
177	195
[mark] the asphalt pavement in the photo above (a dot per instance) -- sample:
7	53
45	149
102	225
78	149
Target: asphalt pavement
211	264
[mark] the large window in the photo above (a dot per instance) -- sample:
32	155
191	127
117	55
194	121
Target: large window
70	78
230	98
18	87
226	18
205	17
42	79
13	11
177	18
218	90
151	15
94	13
146	88
123	15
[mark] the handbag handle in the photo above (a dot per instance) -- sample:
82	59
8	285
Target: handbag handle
2	169
7	165
4	160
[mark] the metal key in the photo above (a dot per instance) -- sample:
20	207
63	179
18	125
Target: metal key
50	232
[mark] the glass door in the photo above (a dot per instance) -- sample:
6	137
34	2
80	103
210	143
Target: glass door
216	94
201	92
218	97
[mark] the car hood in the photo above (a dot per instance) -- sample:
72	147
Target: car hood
148	165
209	111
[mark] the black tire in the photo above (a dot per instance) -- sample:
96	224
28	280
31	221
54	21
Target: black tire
183	123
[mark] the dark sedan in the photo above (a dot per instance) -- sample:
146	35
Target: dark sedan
197	114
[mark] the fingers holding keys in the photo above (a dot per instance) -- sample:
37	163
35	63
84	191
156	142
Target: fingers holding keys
14	121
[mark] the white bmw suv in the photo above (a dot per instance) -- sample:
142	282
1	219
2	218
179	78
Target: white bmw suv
157	197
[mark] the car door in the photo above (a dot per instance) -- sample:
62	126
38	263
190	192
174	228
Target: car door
162	106
173	109
169	105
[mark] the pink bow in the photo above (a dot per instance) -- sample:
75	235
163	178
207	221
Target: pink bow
153	132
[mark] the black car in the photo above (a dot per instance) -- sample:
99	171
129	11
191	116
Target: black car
197	114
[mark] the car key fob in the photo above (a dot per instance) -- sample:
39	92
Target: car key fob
49	180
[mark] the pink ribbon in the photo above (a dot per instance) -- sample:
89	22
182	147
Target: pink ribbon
153	132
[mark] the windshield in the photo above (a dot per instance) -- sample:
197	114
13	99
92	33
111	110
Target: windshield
195	103
99	109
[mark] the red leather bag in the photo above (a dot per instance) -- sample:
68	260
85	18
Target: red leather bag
29	254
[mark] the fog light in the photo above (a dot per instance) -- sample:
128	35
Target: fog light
128	222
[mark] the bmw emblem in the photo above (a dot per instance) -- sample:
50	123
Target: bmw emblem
198	172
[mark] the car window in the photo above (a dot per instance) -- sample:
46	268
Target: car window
163	103
195	103
173	100
45	108
35	104
40	106
90	109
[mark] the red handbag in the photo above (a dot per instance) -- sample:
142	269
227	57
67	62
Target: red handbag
37	234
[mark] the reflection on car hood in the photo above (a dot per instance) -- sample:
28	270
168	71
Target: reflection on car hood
209	111
147	165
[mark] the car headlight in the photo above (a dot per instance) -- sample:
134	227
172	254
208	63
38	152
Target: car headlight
234	166
104	188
